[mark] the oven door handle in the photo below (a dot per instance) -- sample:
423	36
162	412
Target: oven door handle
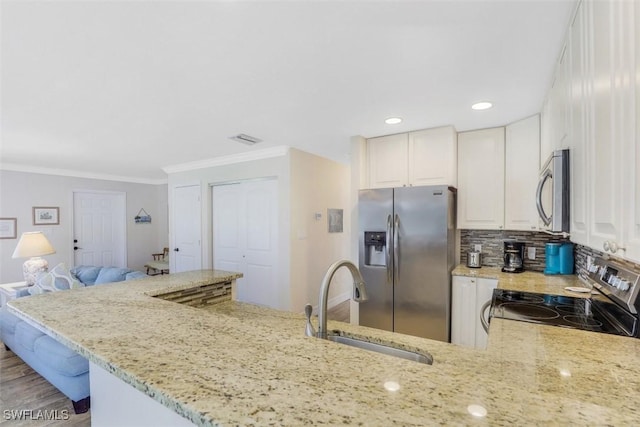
483	320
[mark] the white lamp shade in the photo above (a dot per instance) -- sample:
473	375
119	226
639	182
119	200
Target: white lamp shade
33	244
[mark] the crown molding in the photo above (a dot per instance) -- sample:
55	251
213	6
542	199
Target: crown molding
249	156
14	167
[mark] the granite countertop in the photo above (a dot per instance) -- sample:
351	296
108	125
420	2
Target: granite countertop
240	364
528	281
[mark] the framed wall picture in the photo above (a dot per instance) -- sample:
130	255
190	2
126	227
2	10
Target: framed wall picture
8	228
46	216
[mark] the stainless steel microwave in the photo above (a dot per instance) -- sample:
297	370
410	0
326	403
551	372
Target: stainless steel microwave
552	195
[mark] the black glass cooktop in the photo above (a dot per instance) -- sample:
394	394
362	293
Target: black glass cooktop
569	312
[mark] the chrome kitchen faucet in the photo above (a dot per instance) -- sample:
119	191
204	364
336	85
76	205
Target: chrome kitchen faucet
359	292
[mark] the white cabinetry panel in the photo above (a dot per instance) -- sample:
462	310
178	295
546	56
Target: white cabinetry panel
608	131
481	179
463	307
555	112
484	293
521	174
631	172
426	157
578	144
387	159
468	296
433	156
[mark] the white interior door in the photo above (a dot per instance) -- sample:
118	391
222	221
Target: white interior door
99	228
245	238
187	253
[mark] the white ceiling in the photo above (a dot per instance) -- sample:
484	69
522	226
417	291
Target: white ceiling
127	87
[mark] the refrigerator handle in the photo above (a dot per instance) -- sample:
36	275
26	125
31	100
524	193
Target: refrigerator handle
396	250
387	254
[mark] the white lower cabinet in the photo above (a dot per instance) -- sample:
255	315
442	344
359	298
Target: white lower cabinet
463	306
484	292
467	298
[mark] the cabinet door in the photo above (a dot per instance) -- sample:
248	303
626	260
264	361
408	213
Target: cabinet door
609	82
522	150
555	111
463	311
387	159
577	56
632	174
484	293
433	157
481	179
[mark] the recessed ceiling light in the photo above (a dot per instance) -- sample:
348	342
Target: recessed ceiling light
482	105
393	120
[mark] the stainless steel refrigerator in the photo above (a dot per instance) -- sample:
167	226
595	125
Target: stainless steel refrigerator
407	253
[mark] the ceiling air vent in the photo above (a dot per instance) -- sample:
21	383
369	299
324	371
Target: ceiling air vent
245	139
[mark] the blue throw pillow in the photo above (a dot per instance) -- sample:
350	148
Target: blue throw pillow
59	278
112	274
135	275
87	274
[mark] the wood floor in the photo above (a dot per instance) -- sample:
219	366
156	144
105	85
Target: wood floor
25	392
22	389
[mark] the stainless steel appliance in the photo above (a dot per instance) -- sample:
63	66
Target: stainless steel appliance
407	252
474	259
611	307
513	257
552	195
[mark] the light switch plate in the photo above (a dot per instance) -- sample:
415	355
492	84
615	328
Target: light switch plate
477	248
531	253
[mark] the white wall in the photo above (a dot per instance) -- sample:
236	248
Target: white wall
20	191
206	177
318	184
306	184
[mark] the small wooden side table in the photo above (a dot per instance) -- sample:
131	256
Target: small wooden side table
8	291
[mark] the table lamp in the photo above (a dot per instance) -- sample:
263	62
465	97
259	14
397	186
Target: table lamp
32	245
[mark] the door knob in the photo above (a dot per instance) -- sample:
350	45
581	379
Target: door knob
176	250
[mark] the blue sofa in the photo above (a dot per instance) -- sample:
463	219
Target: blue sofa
61	366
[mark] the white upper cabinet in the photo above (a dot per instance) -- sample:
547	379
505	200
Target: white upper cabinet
481	179
600	67
555	110
426	157
522	153
612	127
433	157
577	57
631	174
387	160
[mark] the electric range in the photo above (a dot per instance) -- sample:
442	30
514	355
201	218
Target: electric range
611	307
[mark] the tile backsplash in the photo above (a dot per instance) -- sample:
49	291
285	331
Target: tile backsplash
581	253
493	248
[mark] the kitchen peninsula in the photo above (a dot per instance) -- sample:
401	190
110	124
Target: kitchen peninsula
238	364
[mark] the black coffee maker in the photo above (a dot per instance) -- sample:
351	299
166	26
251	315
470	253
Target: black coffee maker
513	257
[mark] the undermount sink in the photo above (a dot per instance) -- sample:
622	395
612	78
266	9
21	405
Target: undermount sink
381	348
